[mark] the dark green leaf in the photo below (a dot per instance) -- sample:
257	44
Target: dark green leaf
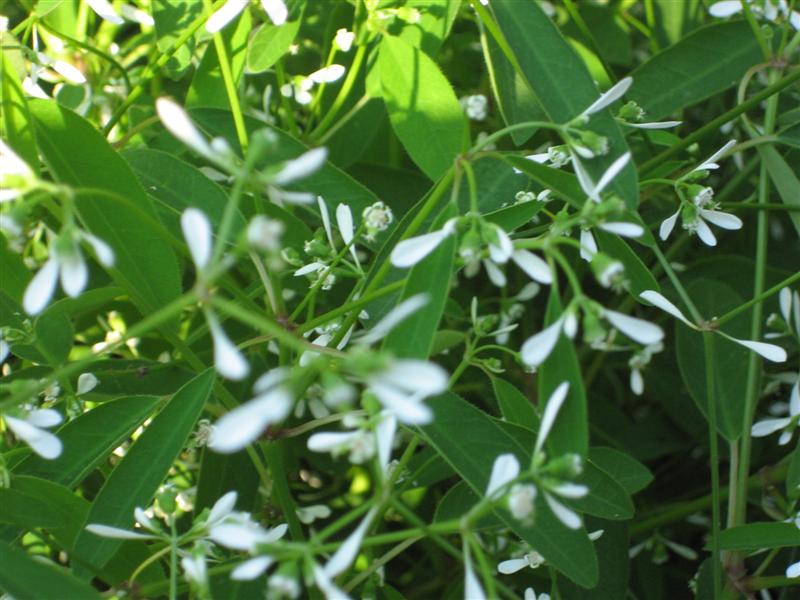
632	475
269	43
514	405
754	536
785	180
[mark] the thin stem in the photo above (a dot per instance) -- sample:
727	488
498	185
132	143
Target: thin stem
708	344
341	97
760	298
173	560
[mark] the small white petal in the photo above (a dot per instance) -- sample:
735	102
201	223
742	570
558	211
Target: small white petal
793	570
408	409
409	252
41	287
105	11
726	8
504	469
394	317
472	587
721	219
328	441
631	230
507	567
276	11
74	273
44	417
347	552
222	507
570	490
638	330
314	267
326	221
551	410
769	351
535	267
496	276
69	72
794	399
785	301
585	180
610	173
251	569
228	360
502	250
344	220
710	162
537	348
137	15
327	587
141	517
415	376
178	123
42	442
384	432
588	245
659	301
116	533
304	165
668	224
327	74
104	252
637	382
226	13
613	94
242	426
655	125
567	516
197	232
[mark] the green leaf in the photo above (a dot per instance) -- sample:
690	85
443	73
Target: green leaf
172	17
607	499
563	184
25	511
134	481
514	405
413	338
89	439
562	84
515	100
52	340
16	125
208	87
269	42
28	579
703	64
457	502
612	557
713	297
497	185
785	180
423	108
570	432
632	475
79	156
470	441
436	20
754	536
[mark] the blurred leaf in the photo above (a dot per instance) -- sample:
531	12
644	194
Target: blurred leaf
514	405
16	125
754	536
134	481
89	439
469	440
606	499
172	17
457	502
29	579
79	156
423	108
269	42
632	475
436	19
703	64
785	180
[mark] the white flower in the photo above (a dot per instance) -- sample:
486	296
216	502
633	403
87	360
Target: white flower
534	266
504	470
194	568
105	11
790	308
538	347
309	514
531	595
276	10
137	15
344	39
359	443
30	430
264	234
695	216
639	330
377	217
403	386
637	362
532	559
282	586
245	423
326	586
769	351
475	107
768	10
410	251
393	318
793	570
521	500
179	124
786	424
66	260
238	531
552	408
301	167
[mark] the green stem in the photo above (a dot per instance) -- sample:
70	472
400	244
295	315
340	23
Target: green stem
758	299
341	97
708	344
276	460
154	68
173	561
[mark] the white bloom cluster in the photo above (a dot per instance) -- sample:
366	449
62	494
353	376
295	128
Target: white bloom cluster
476	107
